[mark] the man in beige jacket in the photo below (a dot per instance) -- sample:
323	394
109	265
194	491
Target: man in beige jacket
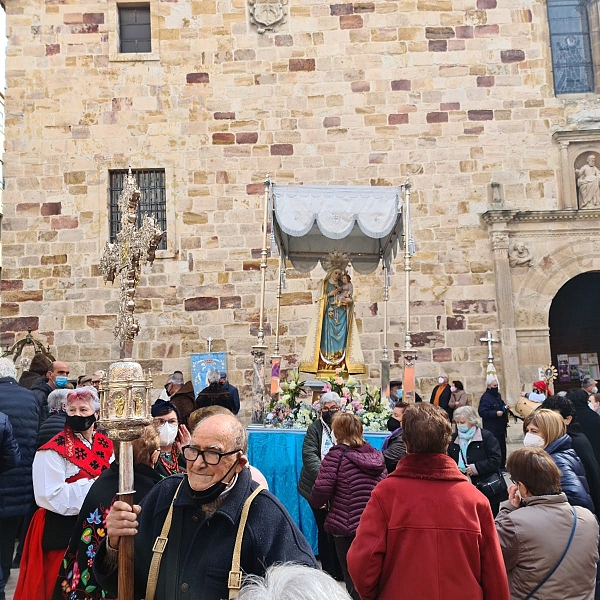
535	528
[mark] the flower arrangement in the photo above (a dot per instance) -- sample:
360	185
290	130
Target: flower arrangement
289	411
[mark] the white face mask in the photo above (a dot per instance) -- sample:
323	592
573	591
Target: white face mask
533	440
594	390
452	388
441	380
167	433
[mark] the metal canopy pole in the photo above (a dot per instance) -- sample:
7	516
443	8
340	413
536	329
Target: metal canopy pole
385	359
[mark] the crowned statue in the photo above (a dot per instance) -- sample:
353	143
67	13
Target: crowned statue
332	341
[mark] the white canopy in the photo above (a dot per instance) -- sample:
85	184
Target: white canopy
309	221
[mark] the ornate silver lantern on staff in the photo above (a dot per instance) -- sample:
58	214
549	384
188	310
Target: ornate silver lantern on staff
125	390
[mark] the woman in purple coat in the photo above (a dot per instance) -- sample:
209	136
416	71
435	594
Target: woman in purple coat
348	474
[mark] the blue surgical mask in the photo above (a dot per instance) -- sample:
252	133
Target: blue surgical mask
463	427
61	381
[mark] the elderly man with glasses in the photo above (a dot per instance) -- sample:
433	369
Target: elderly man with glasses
206	506
317	443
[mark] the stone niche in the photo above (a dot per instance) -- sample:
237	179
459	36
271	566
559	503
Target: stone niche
575	149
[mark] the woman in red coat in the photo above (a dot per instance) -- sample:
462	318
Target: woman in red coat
426	531
348	474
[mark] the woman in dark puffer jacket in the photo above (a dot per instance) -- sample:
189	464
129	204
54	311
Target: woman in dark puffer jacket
546	429
348	474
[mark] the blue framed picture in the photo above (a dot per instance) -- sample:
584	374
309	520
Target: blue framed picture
202	364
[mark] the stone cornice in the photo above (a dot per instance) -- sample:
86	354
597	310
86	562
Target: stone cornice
585	135
539	216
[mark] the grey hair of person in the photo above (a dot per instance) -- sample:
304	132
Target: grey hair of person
213	377
469	415
331	397
56	399
7	368
290	581
491	379
87	393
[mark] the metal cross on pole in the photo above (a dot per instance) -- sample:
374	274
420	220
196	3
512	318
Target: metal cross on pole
125	391
125	259
489	340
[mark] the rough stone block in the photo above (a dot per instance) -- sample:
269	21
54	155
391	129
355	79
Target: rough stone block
427	338
52	49
398	119
438	46
284	40
450	106
486	81
64	222
74	177
8	285
351	22
464	31
360	86
486	4
439	33
51	208
456	322
93	18
296	298
219	139
220	116
246	137
364	7
512	56
302	64
480	115
337	10
437	117
403	85
20	324
56	259
201	303
230	302
197	78
253	189
487	30
332	122
465	307
104	321
442	355
282	149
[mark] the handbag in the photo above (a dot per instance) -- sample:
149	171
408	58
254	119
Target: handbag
490	485
541	583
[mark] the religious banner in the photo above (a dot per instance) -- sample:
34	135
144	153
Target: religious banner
202	364
275	367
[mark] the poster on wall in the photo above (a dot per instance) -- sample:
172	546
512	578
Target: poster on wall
202	364
575	367
563	368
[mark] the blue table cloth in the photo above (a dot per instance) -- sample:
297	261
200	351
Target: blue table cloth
277	453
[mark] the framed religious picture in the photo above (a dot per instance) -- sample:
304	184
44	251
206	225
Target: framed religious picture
202	364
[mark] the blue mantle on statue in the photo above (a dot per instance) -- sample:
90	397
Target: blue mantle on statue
277	453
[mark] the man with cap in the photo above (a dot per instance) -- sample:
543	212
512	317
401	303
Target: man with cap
173	437
232	390
539	392
589	385
181	395
40	365
396	393
214	393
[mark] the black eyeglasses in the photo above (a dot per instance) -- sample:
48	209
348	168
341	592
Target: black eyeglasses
210	457
330	410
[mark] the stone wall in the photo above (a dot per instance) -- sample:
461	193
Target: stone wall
455	93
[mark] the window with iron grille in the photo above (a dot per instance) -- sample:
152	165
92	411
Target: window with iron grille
572	58
152	200
134	28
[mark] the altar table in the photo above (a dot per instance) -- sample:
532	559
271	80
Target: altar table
277	453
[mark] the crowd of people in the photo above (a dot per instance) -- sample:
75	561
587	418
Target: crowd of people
430	515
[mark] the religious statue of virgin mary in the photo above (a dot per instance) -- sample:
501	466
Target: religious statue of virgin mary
332	341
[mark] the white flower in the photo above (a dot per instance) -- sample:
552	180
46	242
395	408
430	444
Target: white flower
292	385
285	397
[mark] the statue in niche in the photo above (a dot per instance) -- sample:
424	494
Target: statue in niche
588	183
332	342
519	255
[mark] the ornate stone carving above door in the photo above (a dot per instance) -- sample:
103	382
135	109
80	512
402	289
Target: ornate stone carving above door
267	15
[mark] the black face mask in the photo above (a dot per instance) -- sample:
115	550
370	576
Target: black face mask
327	417
167	390
494	391
211	493
393	424
79	424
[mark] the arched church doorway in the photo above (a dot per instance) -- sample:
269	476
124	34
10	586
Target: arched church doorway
574	322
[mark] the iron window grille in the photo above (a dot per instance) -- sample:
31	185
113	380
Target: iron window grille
134	29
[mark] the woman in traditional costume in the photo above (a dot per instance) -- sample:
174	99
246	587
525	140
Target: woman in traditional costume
64	470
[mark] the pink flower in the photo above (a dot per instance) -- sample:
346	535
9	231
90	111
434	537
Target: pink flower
345	392
75	578
338	370
344	401
326	387
339	381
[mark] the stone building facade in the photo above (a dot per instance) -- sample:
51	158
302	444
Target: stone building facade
456	94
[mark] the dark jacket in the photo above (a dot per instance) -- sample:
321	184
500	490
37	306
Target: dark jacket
311	458
10	455
346	478
584	451
16	486
54	424
28	378
235	396
588	420
41	390
86	533
572	479
489	405
394	449
198	563
184	401
214	394
483	453
444	399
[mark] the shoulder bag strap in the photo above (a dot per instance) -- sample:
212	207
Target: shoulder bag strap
541	583
158	549
235	575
